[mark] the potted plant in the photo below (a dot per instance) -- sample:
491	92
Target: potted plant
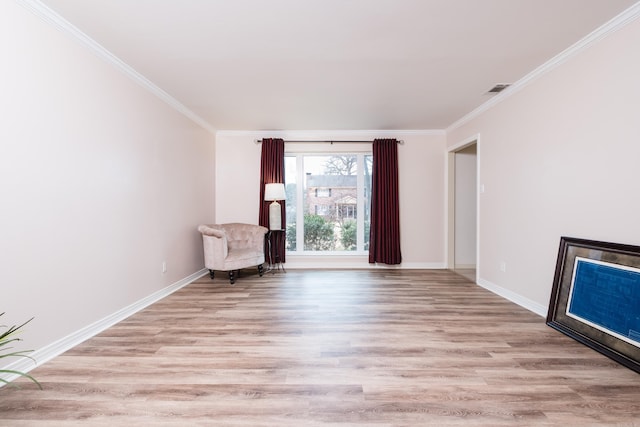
6	338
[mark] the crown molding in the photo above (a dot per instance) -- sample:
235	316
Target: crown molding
52	18
610	27
329	134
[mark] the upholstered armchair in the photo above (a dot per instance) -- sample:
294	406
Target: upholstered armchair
231	247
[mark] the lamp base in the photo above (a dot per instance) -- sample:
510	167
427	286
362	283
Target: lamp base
275	216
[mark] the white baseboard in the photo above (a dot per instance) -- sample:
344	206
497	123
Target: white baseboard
352	262
56	348
513	297
422	265
464	266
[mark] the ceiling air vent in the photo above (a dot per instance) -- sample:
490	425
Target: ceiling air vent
499	88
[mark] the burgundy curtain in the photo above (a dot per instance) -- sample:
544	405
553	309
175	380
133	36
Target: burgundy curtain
272	171
384	237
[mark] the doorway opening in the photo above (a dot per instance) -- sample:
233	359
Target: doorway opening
463	210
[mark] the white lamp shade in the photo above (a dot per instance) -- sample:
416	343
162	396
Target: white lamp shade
274	192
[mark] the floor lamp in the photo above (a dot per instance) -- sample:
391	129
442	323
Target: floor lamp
273	193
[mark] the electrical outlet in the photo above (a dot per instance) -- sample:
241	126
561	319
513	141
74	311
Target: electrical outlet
503	267
164	266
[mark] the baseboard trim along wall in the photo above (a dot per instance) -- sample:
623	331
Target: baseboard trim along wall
358	262
513	297
464	266
56	348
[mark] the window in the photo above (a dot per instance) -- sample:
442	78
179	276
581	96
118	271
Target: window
325	194
347	211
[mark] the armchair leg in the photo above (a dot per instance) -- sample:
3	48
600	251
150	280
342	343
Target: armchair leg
260	270
211	273
232	276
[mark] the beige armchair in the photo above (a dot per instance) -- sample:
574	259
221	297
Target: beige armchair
230	247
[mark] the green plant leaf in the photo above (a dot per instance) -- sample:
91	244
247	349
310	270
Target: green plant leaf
22	374
7	337
21	353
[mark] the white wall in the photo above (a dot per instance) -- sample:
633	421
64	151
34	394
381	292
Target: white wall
559	158
422	182
100	182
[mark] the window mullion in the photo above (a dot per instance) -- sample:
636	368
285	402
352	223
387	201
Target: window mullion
300	190
360	204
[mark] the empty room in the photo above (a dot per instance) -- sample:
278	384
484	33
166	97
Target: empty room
320	212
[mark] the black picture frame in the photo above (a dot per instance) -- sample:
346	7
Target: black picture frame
596	297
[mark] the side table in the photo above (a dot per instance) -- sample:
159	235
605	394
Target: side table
273	240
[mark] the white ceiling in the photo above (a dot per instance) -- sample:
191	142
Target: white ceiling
334	64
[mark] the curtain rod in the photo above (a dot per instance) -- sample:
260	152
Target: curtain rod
259	141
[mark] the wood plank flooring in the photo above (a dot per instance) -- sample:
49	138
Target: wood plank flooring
342	348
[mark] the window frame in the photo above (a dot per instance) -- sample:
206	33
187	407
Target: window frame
299	151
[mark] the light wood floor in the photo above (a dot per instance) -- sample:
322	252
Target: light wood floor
467	273
343	348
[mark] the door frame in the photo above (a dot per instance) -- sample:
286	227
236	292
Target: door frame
450	205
